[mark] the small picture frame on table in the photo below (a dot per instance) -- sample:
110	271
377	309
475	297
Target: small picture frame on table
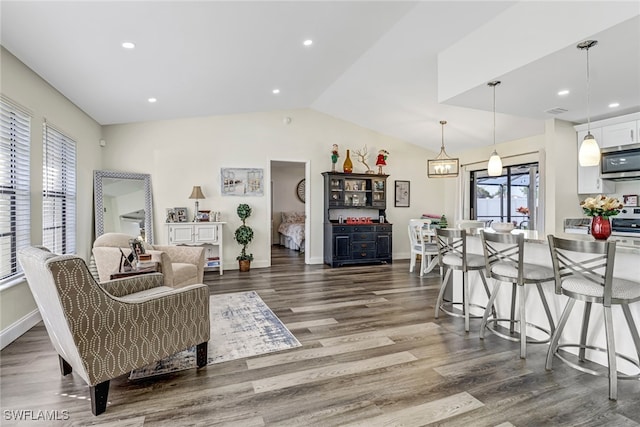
136	248
203	216
402	194
630	200
181	214
171	215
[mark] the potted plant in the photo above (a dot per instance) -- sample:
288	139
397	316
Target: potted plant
244	235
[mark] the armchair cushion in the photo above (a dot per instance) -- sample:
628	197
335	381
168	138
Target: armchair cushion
180	265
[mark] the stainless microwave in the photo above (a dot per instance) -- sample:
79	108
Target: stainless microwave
620	163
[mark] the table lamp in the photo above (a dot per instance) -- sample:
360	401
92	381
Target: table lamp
196	193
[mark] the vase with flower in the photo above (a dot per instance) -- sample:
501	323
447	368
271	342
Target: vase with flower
600	208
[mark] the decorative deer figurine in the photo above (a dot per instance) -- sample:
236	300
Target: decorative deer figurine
362	158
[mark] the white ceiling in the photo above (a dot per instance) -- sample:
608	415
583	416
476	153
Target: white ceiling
381	64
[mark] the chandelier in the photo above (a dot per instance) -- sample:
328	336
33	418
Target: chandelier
443	166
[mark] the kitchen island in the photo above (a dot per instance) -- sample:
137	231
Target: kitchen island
627	262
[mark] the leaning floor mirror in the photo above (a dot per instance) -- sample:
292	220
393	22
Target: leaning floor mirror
123	204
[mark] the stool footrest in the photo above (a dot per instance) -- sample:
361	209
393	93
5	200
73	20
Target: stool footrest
492	324
450	311
586	370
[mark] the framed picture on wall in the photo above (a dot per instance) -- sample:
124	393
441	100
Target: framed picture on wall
402	198
242	182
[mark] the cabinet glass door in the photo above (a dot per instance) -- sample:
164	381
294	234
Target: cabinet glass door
336	192
355	192
379	192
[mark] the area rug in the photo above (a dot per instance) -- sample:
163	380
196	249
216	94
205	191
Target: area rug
242	325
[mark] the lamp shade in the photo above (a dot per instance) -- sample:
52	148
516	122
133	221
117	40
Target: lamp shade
495	164
196	193
589	154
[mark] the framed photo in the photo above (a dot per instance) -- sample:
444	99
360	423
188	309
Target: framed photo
181	214
136	247
171	215
203	216
630	200
402	194
242	182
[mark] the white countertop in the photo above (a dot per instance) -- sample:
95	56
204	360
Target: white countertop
623	244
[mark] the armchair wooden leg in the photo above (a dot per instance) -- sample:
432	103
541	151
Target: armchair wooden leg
201	354
99	394
65	368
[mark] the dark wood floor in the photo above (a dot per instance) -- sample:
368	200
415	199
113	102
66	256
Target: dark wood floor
372	355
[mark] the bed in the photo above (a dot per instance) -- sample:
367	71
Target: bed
291	230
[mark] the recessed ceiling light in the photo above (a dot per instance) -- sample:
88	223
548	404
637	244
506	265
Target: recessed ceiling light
308	42
614	105
563	92
128	45
276	91
152	100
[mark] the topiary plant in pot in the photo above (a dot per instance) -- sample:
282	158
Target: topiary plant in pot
244	236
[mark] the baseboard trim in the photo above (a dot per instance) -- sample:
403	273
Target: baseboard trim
16	329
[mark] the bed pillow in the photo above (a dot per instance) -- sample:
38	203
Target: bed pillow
293	217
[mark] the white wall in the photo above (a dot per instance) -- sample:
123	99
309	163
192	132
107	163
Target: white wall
186	152
26	88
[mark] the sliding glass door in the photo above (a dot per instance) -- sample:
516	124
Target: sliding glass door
511	197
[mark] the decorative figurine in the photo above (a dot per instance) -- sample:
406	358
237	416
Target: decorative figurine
362	158
380	161
334	157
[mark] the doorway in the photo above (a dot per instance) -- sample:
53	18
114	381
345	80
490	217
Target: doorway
289	212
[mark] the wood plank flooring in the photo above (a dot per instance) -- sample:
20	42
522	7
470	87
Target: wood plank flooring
372	355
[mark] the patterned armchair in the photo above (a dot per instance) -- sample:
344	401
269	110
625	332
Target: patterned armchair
180	265
103	331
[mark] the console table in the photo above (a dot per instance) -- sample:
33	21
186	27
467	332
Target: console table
205	234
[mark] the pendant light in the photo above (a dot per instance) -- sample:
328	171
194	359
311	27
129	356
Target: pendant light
443	166
495	163
589	154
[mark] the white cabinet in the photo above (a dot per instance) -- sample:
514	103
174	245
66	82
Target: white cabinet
589	181
619	134
207	234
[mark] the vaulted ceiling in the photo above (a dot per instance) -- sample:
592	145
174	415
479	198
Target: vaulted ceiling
395	67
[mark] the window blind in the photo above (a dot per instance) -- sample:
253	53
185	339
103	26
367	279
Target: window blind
59	192
15	205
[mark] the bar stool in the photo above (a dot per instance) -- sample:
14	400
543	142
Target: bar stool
504	258
452	255
584	271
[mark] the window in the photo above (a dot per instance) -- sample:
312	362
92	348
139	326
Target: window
59	192
15	232
511	197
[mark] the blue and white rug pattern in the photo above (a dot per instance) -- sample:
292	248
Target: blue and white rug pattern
242	325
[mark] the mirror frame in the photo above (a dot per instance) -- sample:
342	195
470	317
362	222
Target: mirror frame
99	206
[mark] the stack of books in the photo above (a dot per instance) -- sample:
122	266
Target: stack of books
212	262
145	264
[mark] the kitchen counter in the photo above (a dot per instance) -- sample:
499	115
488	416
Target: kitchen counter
623	244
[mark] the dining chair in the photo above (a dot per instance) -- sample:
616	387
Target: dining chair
583	271
452	255
419	230
504	259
